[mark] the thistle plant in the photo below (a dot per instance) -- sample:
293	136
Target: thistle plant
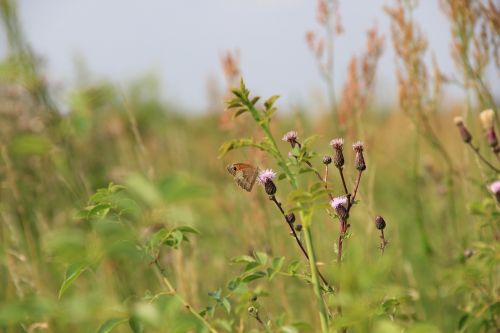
305	202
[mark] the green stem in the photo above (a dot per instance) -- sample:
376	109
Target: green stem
323	316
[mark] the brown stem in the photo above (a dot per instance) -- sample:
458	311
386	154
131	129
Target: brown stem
481	157
299	243
383	242
343	180
351	201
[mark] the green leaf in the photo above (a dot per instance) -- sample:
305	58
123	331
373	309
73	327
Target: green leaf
270	101
242	259
135	325
261	257
239	112
254	276
109	325
187	230
226	304
72	273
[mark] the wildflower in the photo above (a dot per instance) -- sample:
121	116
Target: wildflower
359	162
291	137
338	146
266	178
290	218
339	204
487	117
464	132
380	223
327	160
495	189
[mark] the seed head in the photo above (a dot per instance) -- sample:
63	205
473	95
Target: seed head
290	137
290	218
327	160
340	206
359	161
464	132
380	223
338	146
266	177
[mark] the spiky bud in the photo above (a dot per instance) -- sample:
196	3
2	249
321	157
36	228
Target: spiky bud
464	132
290	218
327	160
359	161
298	227
380	223
338	146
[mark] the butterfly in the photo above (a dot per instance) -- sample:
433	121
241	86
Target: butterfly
244	174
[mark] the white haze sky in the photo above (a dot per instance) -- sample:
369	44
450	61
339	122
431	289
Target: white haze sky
181	41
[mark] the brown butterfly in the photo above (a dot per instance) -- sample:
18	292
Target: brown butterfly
244	174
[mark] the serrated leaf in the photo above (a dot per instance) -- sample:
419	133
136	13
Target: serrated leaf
109	325
72	273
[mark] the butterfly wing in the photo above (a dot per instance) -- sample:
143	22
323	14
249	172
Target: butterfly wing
244	175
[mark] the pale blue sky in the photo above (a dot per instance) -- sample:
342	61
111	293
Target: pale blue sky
180	41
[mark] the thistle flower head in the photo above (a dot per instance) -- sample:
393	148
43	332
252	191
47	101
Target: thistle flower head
495	187
337	143
266	176
290	137
358	146
340	206
487	117
338	201
327	160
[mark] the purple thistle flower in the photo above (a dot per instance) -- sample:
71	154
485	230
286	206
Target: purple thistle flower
495	187
338	158
339	204
290	137
338	201
266	176
337	143
358	146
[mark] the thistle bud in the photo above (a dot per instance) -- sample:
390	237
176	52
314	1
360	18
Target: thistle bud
327	160
290	218
464	132
339	204
298	227
380	223
359	161
491	137
338	146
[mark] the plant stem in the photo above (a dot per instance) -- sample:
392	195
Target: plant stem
299	243
323	316
481	157
174	293
343	180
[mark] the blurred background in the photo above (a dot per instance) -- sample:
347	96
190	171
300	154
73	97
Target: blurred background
117	212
